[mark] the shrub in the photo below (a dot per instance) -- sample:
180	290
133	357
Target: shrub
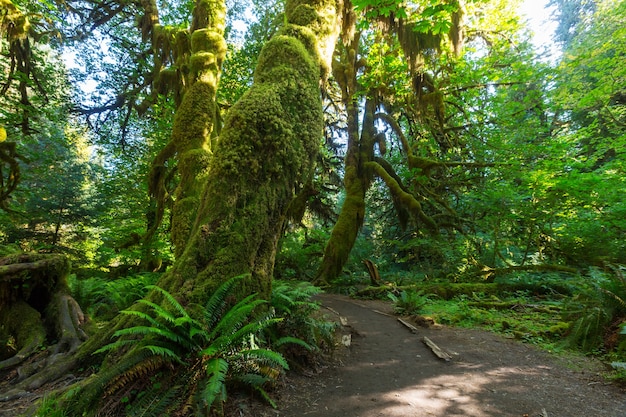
597	307
300	326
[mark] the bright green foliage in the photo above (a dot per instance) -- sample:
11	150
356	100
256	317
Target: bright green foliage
590	96
408	302
222	339
49	408
299	254
302	332
104	298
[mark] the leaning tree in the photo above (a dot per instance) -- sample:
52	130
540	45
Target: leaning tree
236	188
390	90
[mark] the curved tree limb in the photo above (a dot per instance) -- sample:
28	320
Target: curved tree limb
405	198
393	124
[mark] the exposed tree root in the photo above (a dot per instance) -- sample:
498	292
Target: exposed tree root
35	303
28	331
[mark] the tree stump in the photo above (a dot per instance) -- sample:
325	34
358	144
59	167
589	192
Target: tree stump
36	307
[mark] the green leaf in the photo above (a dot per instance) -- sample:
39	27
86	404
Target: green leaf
164	352
217	369
294	340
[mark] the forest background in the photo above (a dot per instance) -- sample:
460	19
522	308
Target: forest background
453	152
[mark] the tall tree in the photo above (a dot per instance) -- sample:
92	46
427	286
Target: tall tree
591	103
265	153
417	110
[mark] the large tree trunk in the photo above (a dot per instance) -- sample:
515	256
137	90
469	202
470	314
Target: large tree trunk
357	180
358	177
202	50
264	155
34	304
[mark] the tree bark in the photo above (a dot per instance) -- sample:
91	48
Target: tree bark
357	178
202	50
35	302
265	154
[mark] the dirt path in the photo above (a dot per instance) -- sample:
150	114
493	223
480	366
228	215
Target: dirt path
390	372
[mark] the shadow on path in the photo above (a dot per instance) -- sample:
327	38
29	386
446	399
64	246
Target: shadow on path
390	372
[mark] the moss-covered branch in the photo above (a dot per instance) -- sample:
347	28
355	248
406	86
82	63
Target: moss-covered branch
406	199
489	273
393	124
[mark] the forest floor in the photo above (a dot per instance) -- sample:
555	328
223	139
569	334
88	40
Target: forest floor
388	371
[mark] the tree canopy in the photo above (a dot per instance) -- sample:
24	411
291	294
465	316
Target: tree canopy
208	139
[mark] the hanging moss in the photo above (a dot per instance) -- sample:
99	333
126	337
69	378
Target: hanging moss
13	21
182	47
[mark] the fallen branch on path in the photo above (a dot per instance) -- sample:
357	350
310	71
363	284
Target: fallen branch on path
440	353
383	313
412	328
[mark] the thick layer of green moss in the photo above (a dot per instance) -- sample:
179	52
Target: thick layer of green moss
208	40
265	153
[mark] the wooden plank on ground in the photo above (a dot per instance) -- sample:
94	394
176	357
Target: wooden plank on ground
408	325
440	353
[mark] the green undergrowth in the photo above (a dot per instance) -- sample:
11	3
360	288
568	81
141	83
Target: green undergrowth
223	348
517	315
104	298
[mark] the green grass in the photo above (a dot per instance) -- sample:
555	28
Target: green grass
519	315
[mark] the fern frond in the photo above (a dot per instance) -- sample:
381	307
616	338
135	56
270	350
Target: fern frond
160	311
157	332
227	340
142	315
256	382
154	402
236	316
252	379
214	307
170	299
254	327
266	357
294	340
217	369
266	397
282	302
141	370
164	352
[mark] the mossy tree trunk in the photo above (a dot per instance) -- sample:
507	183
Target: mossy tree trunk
264	155
358	177
193	75
382	106
357	180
